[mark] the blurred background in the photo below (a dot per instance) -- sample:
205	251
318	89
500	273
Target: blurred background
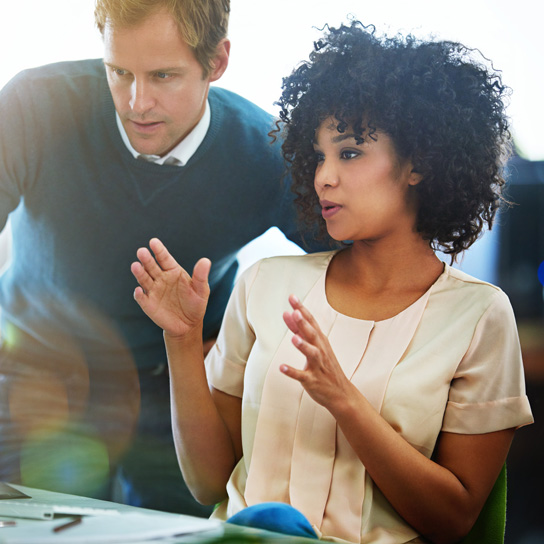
269	38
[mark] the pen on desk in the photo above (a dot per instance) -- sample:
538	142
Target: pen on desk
58	528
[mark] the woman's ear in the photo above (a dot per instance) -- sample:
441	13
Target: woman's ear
414	178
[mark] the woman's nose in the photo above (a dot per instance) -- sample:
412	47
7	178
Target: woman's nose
326	175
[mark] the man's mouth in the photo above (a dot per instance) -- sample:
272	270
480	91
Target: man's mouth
145	127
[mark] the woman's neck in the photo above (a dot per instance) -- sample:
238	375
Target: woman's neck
370	281
375	264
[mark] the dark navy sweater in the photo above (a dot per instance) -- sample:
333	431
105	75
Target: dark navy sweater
81	205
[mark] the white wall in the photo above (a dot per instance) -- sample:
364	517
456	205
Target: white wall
270	37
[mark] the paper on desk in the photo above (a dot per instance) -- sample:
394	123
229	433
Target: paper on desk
123	528
8	492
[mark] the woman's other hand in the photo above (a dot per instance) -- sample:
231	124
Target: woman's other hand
322	377
173	299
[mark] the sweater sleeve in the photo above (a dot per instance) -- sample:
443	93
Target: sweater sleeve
488	390
12	149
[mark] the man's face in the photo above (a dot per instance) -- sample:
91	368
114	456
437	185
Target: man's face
156	82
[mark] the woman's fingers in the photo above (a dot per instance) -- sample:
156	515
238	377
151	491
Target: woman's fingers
201	272
148	262
322	377
141	275
290	322
155	264
297	305
309	330
160	268
309	350
301	326
164	259
307	334
139	296
294	373
308	338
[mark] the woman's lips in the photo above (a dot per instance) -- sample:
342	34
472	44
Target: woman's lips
328	209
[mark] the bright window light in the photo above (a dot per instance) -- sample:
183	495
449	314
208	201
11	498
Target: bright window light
269	38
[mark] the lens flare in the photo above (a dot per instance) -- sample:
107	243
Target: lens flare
65	461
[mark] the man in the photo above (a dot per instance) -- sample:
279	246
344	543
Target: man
96	158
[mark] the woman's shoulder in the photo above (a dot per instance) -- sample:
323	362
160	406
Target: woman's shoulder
296	273
308	261
461	279
290	263
466	290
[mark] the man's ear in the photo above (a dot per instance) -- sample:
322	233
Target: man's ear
221	60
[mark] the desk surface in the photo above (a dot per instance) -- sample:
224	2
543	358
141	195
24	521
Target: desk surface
222	533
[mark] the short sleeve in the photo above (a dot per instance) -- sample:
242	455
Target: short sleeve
487	392
226	361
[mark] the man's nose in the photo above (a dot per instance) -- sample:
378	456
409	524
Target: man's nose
141	97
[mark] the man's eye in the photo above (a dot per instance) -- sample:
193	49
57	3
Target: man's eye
163	75
119	71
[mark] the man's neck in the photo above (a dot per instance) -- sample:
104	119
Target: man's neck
183	151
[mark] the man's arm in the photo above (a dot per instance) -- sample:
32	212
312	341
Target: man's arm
12	150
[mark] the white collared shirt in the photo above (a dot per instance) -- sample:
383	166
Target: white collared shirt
181	154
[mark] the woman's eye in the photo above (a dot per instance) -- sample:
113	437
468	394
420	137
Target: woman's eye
349	154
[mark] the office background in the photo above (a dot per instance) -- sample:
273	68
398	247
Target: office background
270	37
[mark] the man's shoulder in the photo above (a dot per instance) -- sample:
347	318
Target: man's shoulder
237	106
246	125
65	69
56	82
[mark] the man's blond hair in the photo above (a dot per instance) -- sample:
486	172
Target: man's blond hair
202	23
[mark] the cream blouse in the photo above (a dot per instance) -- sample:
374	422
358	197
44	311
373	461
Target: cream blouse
449	362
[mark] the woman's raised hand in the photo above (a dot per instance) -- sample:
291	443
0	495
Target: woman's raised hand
322	377
173	299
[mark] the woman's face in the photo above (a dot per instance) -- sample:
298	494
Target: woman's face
365	191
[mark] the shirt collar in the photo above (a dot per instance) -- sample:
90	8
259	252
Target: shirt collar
181	154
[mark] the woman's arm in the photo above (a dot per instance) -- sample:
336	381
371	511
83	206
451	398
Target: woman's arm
208	443
206	435
440	498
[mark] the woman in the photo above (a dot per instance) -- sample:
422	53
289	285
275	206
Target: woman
384	403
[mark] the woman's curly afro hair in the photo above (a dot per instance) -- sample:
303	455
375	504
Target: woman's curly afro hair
443	110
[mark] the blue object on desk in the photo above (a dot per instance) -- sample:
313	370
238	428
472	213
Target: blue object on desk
274	516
